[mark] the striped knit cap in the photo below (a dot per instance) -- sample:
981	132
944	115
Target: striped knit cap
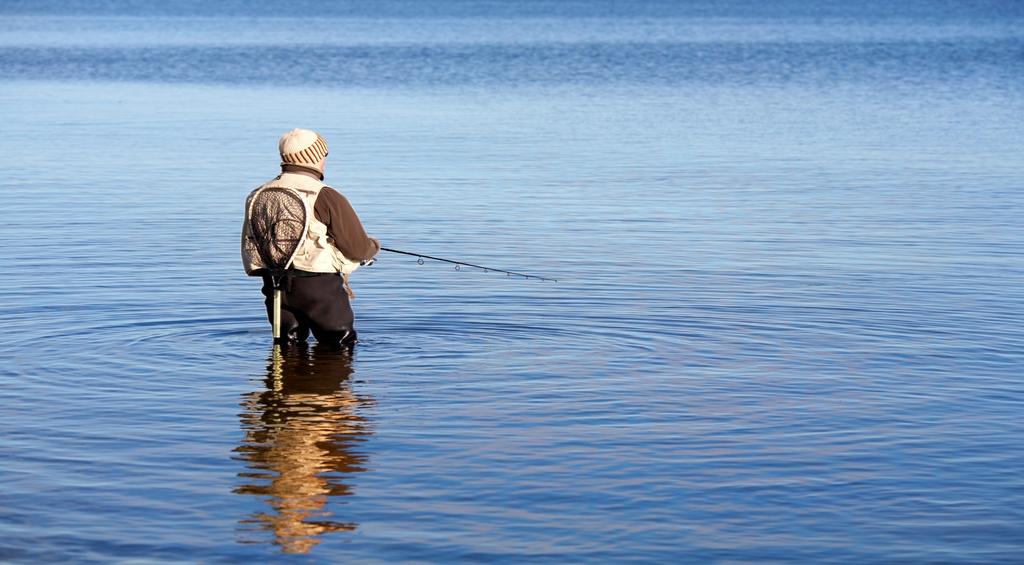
302	147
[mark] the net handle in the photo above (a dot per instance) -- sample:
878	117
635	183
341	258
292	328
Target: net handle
276	319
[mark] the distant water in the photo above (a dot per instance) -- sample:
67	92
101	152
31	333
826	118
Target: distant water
787	325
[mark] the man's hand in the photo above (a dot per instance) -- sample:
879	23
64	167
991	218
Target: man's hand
372	260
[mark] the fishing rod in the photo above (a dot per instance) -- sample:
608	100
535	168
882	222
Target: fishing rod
458	264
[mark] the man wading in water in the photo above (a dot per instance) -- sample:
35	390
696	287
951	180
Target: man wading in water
305	237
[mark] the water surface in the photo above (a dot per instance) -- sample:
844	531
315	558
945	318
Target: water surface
786	327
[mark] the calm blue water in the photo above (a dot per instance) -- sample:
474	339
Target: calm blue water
787	326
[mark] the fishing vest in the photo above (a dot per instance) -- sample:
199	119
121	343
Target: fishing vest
316	252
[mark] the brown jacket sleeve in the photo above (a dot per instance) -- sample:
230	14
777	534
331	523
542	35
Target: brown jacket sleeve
343	225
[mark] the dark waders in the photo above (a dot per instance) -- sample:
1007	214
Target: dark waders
309	302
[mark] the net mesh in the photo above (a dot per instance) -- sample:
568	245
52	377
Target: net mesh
277	223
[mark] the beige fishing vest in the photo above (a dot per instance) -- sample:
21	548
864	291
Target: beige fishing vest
316	253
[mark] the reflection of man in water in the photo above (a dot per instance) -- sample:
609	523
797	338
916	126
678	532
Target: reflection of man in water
300	439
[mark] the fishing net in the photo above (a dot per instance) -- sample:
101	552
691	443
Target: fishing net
277	224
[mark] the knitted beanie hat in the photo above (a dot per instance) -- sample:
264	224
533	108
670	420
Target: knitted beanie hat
302	147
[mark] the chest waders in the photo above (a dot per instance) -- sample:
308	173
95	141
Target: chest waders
278	220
